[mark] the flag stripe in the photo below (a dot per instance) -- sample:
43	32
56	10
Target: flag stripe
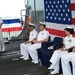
73	7
9	21
73	21
73	14
57	26
57	32
11	25
11	29
57	29
72	1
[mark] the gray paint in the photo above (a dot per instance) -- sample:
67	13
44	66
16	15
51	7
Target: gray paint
39	4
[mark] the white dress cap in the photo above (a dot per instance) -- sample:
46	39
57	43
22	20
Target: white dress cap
31	24
69	27
42	23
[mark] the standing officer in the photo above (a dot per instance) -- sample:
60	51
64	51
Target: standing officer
24	46
2	46
42	37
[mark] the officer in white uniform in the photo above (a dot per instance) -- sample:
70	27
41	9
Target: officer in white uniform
55	59
23	47
69	42
65	59
42	37
2	46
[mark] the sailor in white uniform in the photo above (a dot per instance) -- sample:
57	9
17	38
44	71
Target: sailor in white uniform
2	45
69	43
42	37
69	39
23	47
65	59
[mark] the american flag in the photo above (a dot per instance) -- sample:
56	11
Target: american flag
58	15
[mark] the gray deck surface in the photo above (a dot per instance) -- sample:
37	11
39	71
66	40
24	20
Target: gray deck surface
11	64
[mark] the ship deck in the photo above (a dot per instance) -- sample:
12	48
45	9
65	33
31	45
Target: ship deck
11	64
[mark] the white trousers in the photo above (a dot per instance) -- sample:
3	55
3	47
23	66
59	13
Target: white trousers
73	64
2	45
56	57
65	59
24	50
33	51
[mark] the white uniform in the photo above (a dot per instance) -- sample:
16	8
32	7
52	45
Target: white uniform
73	64
33	48
2	46
65	59
69	42
56	57
23	46
68	57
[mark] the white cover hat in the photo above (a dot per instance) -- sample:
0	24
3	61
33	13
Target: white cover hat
69	27
31	24
42	23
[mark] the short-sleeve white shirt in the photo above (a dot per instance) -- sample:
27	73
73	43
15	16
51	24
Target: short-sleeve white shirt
43	35
33	34
69	41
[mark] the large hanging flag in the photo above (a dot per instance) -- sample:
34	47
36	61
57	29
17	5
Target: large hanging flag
58	15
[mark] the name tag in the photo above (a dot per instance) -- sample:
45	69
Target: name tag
42	33
69	40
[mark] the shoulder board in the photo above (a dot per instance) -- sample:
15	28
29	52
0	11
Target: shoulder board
73	36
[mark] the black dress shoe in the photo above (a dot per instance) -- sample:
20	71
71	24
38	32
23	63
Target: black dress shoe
0	53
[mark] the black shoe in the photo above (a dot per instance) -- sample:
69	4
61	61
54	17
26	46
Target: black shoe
0	53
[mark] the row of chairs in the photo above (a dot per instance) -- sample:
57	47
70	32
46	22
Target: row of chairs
47	49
